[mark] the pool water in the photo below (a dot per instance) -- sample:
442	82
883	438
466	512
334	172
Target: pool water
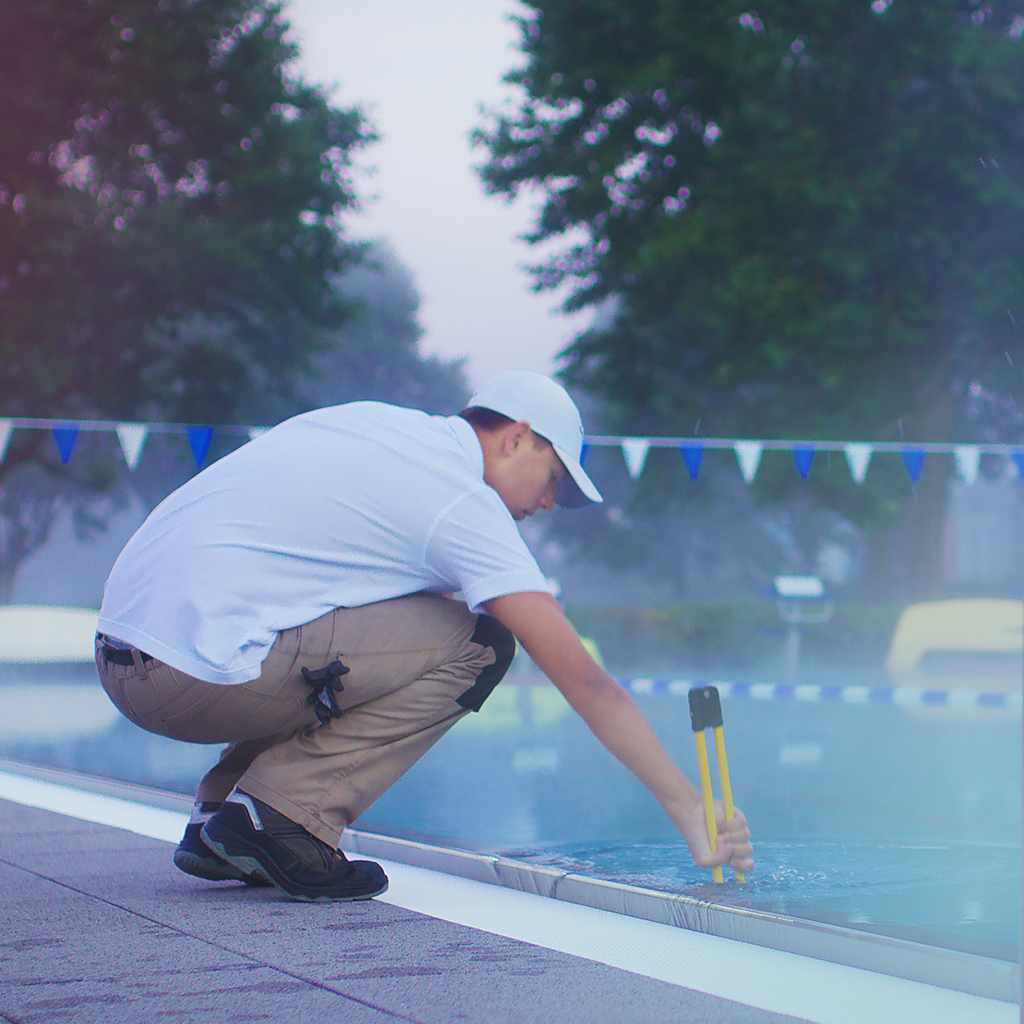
904	821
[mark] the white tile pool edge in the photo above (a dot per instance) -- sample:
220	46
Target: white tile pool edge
806	987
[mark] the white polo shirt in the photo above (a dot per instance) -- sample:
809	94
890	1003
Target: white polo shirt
335	508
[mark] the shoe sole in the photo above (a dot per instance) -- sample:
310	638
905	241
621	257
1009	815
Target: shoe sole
209	869
252	862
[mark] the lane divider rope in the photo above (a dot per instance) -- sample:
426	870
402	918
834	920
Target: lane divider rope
898	696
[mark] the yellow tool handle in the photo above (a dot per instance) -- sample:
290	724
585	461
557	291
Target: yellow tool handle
723	774
709	803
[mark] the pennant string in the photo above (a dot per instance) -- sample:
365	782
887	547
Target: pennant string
65	438
133	439
693	455
968	459
913	459
858	455
199	439
802	459
748	454
634	450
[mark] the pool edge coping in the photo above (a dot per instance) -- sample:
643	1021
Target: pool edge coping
881	954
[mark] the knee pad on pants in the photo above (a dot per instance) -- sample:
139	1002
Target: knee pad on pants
491	633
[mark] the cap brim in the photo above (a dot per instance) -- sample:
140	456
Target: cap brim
576	489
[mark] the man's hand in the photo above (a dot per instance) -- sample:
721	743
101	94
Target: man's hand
732	840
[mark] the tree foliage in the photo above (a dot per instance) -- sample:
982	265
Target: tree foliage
170	200
805	220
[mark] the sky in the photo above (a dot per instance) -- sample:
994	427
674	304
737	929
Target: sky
421	72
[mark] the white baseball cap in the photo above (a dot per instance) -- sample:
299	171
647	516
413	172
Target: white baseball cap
525	396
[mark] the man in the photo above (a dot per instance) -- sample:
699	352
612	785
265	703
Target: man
290	601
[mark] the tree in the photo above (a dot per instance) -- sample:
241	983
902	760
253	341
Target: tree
161	171
804	221
170	219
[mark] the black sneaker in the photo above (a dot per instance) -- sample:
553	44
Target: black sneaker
255	839
194	857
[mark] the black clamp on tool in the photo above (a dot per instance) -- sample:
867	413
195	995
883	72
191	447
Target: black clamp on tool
705	708
325	682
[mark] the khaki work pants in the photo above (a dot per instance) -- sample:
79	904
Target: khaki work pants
417	665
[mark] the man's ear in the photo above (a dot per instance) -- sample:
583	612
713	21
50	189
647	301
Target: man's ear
515	433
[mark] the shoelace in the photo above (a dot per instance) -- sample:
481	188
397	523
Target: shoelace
325	683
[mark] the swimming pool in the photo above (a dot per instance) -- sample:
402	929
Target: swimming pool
899	819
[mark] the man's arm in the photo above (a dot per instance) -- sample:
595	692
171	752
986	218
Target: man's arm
549	638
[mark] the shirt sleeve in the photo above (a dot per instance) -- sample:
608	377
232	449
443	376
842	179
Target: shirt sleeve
477	543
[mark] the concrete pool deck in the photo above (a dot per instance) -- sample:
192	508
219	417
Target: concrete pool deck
101	927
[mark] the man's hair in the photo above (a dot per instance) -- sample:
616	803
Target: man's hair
488	421
485	419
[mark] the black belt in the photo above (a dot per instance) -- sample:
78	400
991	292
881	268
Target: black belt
123	656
